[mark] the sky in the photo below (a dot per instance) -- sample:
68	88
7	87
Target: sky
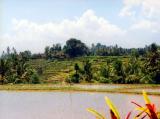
34	24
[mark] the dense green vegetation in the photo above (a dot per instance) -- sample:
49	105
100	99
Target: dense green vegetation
77	63
15	69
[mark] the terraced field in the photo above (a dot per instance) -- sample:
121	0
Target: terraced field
56	71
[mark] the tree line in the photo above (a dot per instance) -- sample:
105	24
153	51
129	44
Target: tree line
76	48
135	69
15	69
142	66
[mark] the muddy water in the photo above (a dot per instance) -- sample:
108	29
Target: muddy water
63	105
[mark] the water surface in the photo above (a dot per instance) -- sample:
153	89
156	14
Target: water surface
62	105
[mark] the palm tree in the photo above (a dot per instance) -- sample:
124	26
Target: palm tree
119	72
88	70
152	64
4	66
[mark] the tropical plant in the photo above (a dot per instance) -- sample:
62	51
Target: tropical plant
88	71
47	52
4	67
14	68
119	75
149	110
152	64
76	67
104	71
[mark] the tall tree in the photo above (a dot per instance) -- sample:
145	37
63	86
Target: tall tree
76	67
26	55
75	48
4	66
88	71
14	68
119	71
153	63
47	52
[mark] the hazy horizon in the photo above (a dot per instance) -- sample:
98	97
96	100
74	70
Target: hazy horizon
32	25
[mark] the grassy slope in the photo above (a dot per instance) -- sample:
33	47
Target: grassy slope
57	71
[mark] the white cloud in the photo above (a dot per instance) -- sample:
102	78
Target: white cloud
148	8
126	12
33	36
145	18
151	8
89	28
146	25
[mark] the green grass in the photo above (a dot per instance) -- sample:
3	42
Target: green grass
54	71
79	87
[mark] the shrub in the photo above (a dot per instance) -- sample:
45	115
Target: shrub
75	78
68	80
11	78
34	78
31	76
96	76
104	80
132	79
104	71
146	80
117	79
18	81
88	71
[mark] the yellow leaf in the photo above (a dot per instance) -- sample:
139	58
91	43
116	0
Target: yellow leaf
143	109
95	113
147	101
158	115
112	107
140	108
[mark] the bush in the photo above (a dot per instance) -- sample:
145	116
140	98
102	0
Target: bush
40	70
18	81
68	80
75	78
132	79
104	80
96	76
104	71
147	80
34	78
88	71
117	79
11	78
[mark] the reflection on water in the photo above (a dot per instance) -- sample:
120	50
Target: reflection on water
62	105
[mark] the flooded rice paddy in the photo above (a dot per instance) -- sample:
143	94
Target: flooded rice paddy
63	105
